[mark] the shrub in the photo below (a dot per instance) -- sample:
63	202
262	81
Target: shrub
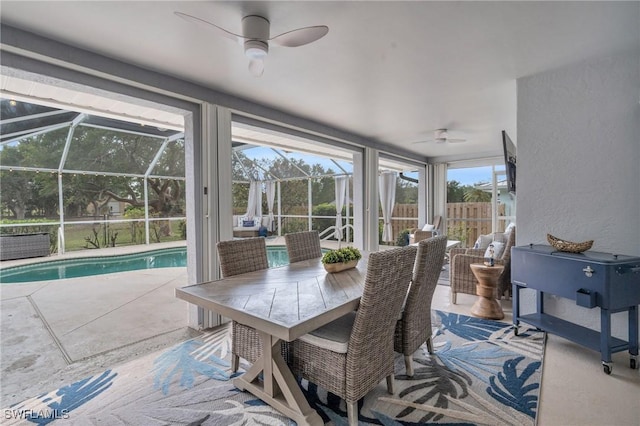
341	255
403	238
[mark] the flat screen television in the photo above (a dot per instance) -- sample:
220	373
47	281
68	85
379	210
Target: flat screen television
509	161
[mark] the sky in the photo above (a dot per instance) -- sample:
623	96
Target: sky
470	176
466	176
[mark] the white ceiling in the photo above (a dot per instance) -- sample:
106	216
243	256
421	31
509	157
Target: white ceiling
389	71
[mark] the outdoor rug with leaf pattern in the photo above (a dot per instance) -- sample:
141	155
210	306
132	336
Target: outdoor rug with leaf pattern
480	374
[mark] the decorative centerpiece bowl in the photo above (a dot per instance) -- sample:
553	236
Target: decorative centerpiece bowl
568	246
341	259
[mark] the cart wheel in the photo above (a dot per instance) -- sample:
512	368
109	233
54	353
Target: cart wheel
515	330
607	368
633	363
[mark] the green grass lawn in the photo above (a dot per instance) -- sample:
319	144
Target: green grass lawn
91	236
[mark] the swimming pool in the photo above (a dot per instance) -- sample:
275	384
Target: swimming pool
87	266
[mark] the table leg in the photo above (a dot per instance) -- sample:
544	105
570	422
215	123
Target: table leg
279	388
486	306
633	330
515	295
605	335
633	336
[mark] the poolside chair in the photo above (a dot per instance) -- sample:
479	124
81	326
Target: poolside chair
352	354
462	279
303	246
414	327
239	257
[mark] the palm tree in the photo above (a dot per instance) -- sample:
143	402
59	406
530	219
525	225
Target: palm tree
476	195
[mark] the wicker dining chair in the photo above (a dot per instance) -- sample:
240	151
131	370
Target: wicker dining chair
239	257
414	327
352	354
303	245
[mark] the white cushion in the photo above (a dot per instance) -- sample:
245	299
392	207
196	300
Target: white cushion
427	227
498	248
483	242
333	336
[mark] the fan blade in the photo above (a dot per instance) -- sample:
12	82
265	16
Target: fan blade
301	36
419	142
256	67
456	140
221	31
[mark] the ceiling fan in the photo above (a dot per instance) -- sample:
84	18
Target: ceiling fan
256	37
442	136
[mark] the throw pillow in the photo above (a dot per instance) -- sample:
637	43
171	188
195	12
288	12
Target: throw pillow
248	223
509	228
241	220
483	242
498	248
427	227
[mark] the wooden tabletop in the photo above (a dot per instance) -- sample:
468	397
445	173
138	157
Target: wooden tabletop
286	302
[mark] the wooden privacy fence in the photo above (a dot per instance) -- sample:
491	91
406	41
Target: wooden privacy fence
466	221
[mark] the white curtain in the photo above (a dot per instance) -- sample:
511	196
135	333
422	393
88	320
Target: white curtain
254	204
258	210
341	192
270	189
387	199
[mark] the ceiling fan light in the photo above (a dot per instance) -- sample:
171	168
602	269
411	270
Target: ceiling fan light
256	49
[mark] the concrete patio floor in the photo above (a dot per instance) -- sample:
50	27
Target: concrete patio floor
56	332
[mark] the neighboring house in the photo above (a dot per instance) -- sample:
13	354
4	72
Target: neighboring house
115	208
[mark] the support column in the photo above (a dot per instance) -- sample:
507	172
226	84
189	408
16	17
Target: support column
369	187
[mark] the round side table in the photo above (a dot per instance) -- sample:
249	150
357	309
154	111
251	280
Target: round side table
486	306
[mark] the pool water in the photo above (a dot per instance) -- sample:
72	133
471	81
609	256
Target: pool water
87	266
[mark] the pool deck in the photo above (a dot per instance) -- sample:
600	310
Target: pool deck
57	332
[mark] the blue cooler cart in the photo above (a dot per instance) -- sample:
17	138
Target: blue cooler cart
608	281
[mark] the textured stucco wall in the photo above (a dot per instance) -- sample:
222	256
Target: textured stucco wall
579	163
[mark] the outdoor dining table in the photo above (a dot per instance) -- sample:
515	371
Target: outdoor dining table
281	303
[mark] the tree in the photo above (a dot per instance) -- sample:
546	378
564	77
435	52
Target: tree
476	195
16	195
93	152
323	189
455	193
406	192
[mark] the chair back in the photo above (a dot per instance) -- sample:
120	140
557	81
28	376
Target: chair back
303	246
511	241
370	346
436	224
416	317
242	256
504	281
